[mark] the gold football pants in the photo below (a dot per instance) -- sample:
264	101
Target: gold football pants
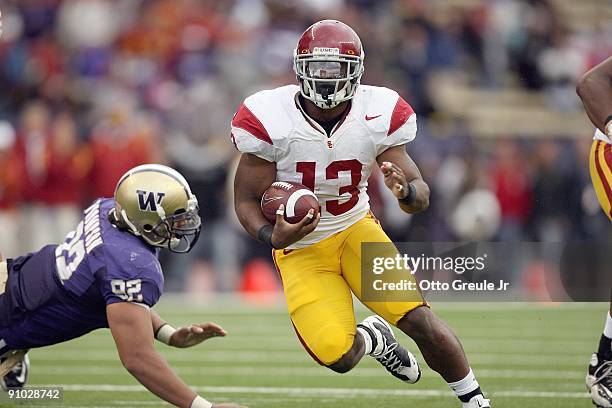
318	281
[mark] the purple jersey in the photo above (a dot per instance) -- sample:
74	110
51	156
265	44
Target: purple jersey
61	291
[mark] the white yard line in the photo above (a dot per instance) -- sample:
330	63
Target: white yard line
236	304
255	341
325	392
371	372
297	355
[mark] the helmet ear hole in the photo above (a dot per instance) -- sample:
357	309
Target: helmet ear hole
147	227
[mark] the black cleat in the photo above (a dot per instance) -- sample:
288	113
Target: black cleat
388	352
17	376
599	380
477	401
601	388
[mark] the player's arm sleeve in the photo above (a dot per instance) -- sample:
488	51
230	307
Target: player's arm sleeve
249	135
402	127
143	292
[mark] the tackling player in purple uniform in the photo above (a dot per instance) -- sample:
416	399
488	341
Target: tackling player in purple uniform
106	274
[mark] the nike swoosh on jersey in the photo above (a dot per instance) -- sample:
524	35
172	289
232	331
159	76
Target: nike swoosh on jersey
372	117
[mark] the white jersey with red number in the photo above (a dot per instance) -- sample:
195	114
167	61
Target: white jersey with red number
270	125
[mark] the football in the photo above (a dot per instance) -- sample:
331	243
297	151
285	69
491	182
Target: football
297	198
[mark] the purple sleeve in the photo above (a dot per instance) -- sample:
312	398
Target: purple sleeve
131	274
138	290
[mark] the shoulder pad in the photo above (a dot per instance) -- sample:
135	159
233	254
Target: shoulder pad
263	121
382	110
131	261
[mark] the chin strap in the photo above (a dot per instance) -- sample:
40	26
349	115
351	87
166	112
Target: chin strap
325	103
131	226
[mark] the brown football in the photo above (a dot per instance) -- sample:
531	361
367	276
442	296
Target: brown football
297	198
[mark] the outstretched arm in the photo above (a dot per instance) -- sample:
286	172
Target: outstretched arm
403	178
132	330
186	336
595	90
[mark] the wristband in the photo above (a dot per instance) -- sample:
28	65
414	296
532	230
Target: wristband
199	402
410	196
265	234
164	332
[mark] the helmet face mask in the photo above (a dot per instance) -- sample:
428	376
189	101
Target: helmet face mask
179	232
155	203
328	65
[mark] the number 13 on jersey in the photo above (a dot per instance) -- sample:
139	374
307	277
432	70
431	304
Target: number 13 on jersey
332	172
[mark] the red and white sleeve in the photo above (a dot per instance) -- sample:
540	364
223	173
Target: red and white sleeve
249	135
402	126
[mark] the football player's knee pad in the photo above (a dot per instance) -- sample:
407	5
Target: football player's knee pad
331	343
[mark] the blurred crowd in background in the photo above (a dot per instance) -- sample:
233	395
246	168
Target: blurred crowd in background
91	88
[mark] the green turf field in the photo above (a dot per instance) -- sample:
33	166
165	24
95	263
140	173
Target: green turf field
523	355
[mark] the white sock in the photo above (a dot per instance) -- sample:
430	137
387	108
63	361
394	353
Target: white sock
367	340
466	386
608	328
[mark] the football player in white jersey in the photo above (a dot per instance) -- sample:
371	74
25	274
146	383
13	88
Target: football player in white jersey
595	90
328	133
